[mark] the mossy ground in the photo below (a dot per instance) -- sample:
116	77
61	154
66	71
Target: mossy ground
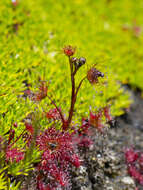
34	32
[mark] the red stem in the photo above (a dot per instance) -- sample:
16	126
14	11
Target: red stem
18	137
60	112
74	92
79	85
73	99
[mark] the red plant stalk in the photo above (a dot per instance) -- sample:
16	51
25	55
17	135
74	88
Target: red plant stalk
18	138
73	93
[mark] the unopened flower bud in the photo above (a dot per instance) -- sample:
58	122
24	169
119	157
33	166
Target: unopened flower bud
82	61
74	60
78	62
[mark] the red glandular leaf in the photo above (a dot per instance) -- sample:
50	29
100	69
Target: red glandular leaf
14	154
84	128
93	74
29	128
95	120
42	93
134	172
131	155
40	185
75	160
107	113
58	153
53	114
85	142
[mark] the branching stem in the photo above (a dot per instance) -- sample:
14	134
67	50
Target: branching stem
73	93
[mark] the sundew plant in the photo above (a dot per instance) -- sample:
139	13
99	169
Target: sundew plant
46	141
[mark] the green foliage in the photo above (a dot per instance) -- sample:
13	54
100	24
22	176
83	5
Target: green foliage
34	49
14	186
3	182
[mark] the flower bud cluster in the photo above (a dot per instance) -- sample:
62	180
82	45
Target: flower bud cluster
78	62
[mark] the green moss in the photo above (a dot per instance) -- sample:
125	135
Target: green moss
95	27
